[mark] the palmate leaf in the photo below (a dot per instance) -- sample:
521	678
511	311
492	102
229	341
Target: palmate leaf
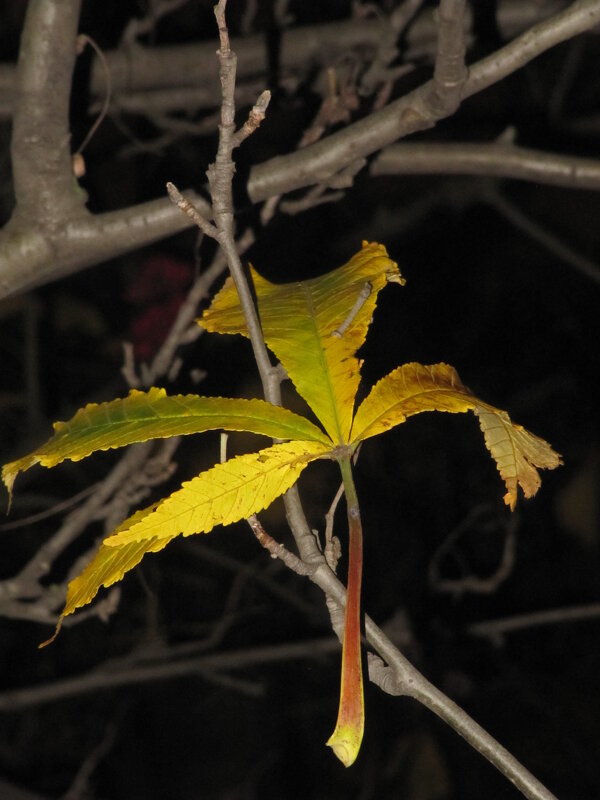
224	494
155	415
414	388
315	327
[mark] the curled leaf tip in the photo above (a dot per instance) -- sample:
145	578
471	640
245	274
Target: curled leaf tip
345	742
8	478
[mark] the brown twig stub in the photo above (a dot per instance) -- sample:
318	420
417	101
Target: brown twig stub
82	40
191	211
278	550
219	11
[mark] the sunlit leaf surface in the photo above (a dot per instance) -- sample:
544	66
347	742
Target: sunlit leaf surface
224	494
315	327
153	415
414	388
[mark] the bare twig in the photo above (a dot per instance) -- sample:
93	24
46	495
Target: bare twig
256	116
133	673
84	39
391	29
276	549
191	211
495	159
79	786
550	242
259	576
143	26
57	508
467	581
496	629
332	547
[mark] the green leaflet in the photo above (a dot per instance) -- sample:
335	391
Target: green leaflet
155	415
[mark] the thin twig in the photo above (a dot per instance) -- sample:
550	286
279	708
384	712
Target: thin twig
57	508
449	550
84	39
79	786
204	667
332	548
496	629
495	159
550	242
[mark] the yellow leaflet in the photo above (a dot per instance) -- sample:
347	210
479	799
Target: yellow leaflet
153	414
413	388
224	494
314	328
228	492
516	451
107	567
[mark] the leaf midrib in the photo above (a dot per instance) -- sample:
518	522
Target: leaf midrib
439	390
164	418
323	361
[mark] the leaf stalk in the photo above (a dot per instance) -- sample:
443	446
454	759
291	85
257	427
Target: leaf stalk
346	739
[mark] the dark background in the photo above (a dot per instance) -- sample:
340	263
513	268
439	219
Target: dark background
520	325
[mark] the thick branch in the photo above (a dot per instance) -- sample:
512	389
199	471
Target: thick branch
51	234
450	71
45	191
30	256
413	112
175	78
579	17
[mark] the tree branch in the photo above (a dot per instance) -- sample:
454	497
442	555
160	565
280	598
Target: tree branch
33	253
403	679
493	160
132	673
496	629
51	234
45	192
413	112
183	77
